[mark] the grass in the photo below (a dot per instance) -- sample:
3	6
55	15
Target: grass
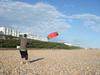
12	43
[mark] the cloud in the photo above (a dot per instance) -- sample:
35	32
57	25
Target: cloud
89	20
38	19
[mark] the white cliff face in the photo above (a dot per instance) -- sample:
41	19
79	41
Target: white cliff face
35	37
13	32
9	31
68	44
2	29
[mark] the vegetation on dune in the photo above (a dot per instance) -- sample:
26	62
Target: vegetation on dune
40	44
13	42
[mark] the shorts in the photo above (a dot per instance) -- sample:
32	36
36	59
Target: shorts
24	54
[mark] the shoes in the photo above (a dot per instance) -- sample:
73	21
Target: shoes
24	62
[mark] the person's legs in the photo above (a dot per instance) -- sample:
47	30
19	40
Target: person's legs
26	55
22	54
22	57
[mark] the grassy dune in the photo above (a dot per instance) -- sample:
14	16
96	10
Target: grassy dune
12	43
51	62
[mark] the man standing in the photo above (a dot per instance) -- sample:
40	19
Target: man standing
23	48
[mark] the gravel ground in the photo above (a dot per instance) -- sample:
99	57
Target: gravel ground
51	62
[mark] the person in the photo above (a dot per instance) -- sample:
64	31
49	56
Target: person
23	48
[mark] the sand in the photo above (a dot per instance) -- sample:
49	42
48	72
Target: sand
51	62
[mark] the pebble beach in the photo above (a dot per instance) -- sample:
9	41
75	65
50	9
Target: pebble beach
51	62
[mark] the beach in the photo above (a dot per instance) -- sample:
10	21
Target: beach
51	62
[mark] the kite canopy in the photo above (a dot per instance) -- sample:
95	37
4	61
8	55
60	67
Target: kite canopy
52	35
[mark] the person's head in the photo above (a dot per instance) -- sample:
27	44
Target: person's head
25	35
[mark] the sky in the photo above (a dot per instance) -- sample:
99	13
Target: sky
76	21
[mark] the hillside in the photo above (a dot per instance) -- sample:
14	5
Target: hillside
12	43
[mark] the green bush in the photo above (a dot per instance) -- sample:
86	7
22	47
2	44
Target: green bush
9	43
12	43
